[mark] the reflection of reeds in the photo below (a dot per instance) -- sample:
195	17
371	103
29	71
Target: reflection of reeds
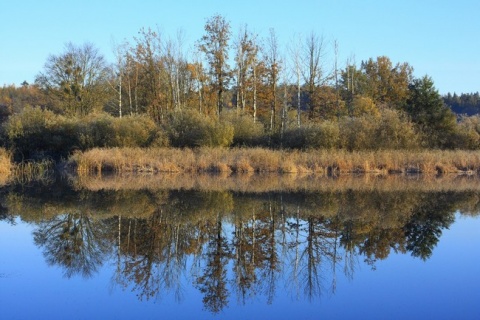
24	172
258	183
264	160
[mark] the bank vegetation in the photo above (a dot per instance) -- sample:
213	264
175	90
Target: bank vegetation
260	160
158	109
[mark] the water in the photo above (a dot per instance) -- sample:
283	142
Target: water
83	252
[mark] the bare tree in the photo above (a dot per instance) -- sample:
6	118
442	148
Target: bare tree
246	51
314	52
295	54
214	44
272	61
119	70
76	80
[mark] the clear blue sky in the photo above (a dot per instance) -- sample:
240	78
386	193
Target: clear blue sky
437	37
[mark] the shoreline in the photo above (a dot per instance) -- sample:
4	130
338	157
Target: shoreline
260	160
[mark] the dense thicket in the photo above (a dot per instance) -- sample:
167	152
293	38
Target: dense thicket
155	94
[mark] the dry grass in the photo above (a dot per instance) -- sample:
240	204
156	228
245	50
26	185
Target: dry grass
274	161
6	166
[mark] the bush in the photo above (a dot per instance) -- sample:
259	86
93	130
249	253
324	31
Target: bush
192	129
467	134
103	130
390	130
395	131
95	130
357	133
37	134
246	132
133	131
323	135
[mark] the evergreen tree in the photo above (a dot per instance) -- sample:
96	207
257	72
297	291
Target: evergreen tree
426	108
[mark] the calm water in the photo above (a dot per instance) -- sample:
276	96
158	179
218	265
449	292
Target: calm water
77	251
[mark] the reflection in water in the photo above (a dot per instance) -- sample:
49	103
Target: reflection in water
73	241
235	246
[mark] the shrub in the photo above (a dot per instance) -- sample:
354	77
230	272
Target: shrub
357	133
246	132
390	130
133	131
395	131
36	134
322	135
467	134
95	130
192	129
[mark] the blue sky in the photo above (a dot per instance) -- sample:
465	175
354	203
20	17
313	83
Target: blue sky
439	38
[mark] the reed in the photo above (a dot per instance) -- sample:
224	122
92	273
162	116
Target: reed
260	160
5	166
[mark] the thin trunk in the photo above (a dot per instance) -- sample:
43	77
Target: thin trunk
136	89
284	111
130	95
177	88
336	79
299	108
254	91
238	88
120	95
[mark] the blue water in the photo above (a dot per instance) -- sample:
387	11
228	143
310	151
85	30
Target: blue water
445	286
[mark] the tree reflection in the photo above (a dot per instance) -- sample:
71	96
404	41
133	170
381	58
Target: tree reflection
424	229
212	282
248	245
151	254
74	241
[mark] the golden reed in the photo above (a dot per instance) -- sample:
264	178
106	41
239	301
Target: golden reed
260	160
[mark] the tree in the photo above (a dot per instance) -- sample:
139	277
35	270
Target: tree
295	54
76	80
385	83
314	52
272	64
214	44
147	53
117	71
426	108
246	52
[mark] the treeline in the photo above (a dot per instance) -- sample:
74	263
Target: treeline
465	103
240	90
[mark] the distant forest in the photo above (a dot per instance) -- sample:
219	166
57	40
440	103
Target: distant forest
465	103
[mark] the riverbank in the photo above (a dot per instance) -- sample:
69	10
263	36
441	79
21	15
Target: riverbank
260	160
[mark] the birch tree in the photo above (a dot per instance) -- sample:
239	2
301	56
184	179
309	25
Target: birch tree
214	44
272	63
314	53
295	56
246	51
